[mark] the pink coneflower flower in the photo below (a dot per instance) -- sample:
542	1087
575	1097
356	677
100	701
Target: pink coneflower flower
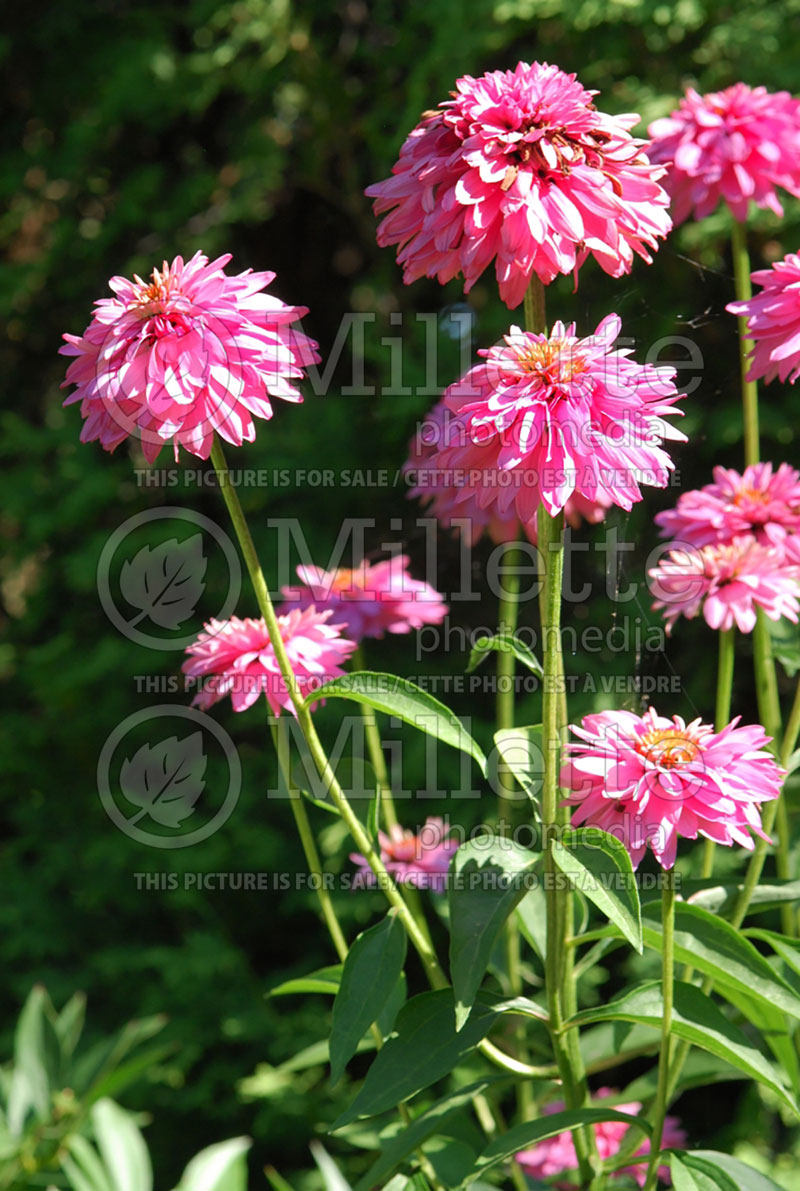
520	167
649	780
760	501
235	657
728	583
773	321
556	1155
451	494
370	600
563	415
187	353
733	145
422	860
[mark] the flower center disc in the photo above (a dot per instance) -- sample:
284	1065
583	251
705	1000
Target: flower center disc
667	748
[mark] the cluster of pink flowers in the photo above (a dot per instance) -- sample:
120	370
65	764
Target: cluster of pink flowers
556	1155
545	418
421	859
773	321
236	657
520	168
371	599
649	780
736	549
187	354
734	146
453	495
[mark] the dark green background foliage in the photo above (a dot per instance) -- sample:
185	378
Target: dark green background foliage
136	131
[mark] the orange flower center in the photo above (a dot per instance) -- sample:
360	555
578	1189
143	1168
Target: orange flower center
153	297
753	495
667	747
552	355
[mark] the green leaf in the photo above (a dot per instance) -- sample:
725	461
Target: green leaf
488	881
324	980
720	899
122	1147
398	1147
69	1023
333	1179
521	750
276	1181
369	977
36	1060
531	1132
503	643
708	1170
424	1047
788	949
696	1019
83	1167
532	918
775	1028
717	949
599	866
401	698
221	1167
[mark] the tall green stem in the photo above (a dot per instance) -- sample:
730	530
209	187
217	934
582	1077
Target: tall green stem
560	999
416	934
744	291
727	654
668	986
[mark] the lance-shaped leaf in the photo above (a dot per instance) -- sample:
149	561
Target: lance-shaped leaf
398	1147
696	1019
521	750
220	1167
401	698
714	947
529	1133
424	1047
324	980
599	866
489	878
709	1170
369	977
503	643
720	899
122	1147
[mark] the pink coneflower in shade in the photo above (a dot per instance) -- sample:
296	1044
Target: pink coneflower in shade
564	415
773	321
235	657
733	146
759	501
187	353
451	494
371	599
556	1155
648	780
728	583
422	860
521	168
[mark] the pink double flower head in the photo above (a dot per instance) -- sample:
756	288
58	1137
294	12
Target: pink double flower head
735	146
650	780
452	494
728	583
761	501
191	352
421	860
556	1155
235	657
371	599
773	321
520	168
565	417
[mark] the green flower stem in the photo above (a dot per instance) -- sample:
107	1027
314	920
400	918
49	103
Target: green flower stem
668	986
560	994
417	936
744	291
722	714
378	762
